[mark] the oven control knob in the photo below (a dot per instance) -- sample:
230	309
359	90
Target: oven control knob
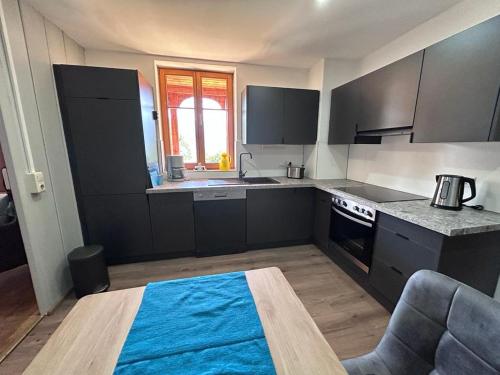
369	214
356	208
344	203
363	210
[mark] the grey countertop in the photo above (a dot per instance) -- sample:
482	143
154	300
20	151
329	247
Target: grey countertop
450	223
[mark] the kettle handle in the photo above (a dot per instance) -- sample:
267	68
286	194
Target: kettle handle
472	184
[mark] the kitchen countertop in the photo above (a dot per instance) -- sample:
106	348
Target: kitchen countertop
419	212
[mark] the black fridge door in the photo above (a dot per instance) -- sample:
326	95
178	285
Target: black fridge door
106	146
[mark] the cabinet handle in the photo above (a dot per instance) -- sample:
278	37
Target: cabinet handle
396	270
403	237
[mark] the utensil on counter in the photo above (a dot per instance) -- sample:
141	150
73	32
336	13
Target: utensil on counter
175	168
449	192
295	172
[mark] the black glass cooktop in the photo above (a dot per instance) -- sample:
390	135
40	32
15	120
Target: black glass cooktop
379	194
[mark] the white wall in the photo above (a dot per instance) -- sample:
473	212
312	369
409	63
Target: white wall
49	221
411	167
324	160
268	160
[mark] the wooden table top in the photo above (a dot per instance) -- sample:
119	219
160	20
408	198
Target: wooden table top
90	338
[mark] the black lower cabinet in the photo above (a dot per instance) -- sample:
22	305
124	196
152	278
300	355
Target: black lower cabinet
279	216
220	226
402	248
172	224
322	214
120	223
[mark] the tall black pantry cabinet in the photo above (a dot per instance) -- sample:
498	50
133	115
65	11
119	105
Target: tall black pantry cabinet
111	138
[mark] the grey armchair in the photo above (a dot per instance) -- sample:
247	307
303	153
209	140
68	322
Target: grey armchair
439	327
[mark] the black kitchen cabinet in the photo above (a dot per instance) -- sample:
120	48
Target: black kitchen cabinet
344	111
402	248
275	115
107	120
279	216
120	223
220	226
77	81
388	96
300	116
172	224
106	145
262	115
460	86
322	214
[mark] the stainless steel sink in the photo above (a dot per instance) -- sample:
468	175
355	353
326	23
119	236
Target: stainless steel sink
245	181
260	180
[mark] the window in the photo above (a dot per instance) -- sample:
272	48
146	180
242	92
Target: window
197	115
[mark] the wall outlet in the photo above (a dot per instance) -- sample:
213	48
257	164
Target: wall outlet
35	182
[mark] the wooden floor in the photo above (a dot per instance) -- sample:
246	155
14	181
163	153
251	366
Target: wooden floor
351	320
18	309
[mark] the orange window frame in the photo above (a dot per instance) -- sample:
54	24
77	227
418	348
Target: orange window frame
199	131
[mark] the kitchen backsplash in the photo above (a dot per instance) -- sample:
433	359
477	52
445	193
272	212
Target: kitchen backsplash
397	164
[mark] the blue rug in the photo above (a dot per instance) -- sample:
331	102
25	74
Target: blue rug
202	325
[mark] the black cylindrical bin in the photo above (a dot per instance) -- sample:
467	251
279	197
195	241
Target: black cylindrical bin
88	270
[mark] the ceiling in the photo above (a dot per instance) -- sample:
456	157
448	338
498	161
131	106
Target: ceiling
295	33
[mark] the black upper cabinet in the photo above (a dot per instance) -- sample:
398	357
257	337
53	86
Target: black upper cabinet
460	86
274	115
300	116
388	95
344	112
262	112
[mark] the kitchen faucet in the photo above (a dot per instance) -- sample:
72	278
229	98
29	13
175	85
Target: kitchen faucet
242	174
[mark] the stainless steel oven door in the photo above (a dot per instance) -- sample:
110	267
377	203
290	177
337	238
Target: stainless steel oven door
353	235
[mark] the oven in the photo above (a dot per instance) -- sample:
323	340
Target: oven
352	231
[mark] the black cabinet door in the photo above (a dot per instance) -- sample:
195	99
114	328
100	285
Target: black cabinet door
106	145
93	82
279	215
263	109
120	223
172	223
388	95
220	226
300	116
459	86
344	112
322	213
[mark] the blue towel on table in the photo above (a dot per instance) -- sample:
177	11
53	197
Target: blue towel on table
203	325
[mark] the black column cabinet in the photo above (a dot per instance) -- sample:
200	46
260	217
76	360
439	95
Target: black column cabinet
275	115
460	86
322	215
388	96
172	223
279	216
102	112
344	111
120	223
107	148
